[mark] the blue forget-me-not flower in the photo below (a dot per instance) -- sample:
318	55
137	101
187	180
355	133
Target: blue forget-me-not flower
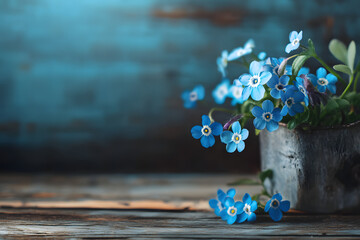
221	91
278	85
190	97
218	204
267	116
248	207
295	39
292	99
253	82
235	140
231	211
206	132
275	206
323	80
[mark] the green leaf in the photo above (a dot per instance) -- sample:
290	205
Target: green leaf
257	132
338	49
351	52
244	181
266	174
357	69
311	47
298	63
298	119
343	68
343	104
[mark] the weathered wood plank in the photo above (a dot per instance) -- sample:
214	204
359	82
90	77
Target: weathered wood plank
60	224
162	192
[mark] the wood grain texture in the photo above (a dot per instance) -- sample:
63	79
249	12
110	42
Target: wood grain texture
164	207
59	224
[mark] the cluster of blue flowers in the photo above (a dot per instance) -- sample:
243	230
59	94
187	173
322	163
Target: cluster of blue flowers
270	84
233	211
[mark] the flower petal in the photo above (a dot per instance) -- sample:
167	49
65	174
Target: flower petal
289	48
223	214
229	202
331	78
246	93
240	207
216	128
200	91
292	36
244	79
259	123
275	214
267	206
276	114
268	106
207	141
205	120
277	196
284	79
244	134
231	192
272	125
196	132
247	199
258	92
275	93
231	219
257	111
273	81
300	35
284	111
226	137
255	68
240	146
297	108
252	217
236	127
265	77
213	203
231	147
242	217
285	206
321	72
253	206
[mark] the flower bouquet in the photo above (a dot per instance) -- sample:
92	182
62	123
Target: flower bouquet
282	93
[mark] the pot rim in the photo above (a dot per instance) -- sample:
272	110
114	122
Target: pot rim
349	125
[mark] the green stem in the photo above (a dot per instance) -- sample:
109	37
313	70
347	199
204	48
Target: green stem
356	79
219	110
292	57
329	69
348	86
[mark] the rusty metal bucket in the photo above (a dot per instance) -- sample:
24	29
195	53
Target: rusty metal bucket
317	170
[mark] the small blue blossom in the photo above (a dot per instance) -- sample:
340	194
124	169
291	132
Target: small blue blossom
254	82
218	204
221	91
291	99
324	81
262	56
299	83
206	132
235	140
303	70
295	39
275	206
248	207
278	85
222	63
235	93
267	116
232	210
241	51
190	97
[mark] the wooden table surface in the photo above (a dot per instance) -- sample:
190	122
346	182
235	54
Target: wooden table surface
143	207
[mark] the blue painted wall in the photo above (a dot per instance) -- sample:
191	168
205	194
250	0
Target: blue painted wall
95	85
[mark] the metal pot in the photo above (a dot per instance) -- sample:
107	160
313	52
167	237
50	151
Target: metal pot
317	170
